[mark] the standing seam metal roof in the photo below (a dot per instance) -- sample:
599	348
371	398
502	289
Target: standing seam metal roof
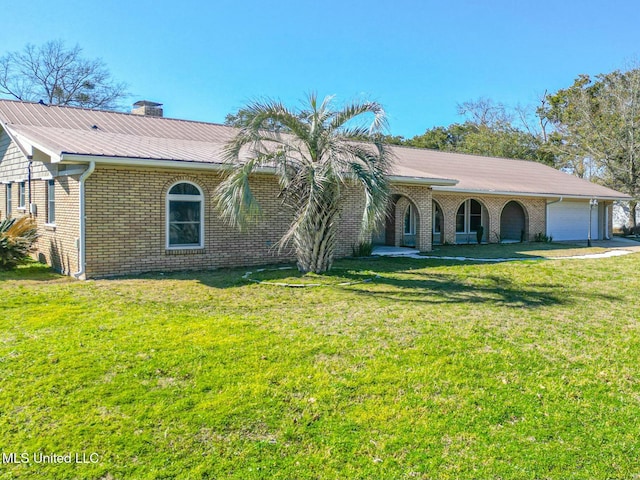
71	130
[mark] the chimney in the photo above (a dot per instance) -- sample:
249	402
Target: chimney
147	109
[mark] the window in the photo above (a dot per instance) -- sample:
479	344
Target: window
51	201
410	221
21	195
469	217
8	205
185	211
437	218
460	218
475	215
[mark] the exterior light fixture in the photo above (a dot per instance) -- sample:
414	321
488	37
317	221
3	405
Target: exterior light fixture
592	203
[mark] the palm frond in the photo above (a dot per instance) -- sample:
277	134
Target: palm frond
235	200
314	156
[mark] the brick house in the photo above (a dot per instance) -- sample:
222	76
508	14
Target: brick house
118	193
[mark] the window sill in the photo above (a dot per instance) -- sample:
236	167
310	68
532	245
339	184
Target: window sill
185	251
50	227
22	209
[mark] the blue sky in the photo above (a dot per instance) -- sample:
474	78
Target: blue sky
204	59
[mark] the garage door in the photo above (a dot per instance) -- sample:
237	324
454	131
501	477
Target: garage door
569	220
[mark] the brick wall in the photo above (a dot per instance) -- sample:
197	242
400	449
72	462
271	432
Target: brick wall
126	229
420	197
57	242
534	209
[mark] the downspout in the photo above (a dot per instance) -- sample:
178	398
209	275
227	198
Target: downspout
29	202
547	214
606	222
82	239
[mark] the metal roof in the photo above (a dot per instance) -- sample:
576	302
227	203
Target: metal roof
95	133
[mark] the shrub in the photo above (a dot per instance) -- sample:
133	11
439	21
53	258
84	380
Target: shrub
541	237
17	236
479	234
362	249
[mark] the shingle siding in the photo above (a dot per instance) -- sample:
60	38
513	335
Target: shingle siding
13	164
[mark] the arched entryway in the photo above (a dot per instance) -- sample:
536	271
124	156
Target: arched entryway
402	225
513	222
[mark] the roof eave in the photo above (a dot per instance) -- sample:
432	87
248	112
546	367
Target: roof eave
401	180
74	158
621	197
27	146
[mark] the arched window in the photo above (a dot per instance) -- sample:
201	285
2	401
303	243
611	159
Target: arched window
437	217
469	217
410	221
185	212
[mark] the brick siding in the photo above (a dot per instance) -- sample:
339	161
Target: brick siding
534	209
126	229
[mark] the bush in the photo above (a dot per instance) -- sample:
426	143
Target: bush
17	236
627	231
542	238
479	234
362	249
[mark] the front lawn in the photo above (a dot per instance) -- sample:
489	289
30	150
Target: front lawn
434	369
514	250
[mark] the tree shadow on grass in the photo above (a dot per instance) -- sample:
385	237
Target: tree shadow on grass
405	280
433	287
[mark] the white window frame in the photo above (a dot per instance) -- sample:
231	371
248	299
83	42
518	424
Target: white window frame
186	198
468	215
51	202
465	206
412	220
7	200
22	196
435	206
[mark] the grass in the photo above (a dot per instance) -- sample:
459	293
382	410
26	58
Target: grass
514	250
436	369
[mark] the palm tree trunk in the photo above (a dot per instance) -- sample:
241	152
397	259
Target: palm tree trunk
315	243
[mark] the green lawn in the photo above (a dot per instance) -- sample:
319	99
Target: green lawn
514	250
435	369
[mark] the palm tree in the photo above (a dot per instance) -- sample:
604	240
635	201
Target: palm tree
315	158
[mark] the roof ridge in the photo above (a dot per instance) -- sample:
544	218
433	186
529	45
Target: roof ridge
117	112
422	149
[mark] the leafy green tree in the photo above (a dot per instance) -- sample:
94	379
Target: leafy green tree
59	75
597	128
315	159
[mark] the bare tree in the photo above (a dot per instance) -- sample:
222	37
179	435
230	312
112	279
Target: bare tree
59	75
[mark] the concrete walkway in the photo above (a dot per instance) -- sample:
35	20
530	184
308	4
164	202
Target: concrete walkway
616	247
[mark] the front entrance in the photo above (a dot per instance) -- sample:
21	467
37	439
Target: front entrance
400	229
513	223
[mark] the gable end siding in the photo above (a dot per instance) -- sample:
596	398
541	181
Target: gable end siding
13	164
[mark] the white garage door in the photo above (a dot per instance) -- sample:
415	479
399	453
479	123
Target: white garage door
569	220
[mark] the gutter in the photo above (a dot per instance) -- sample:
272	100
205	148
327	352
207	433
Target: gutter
82	238
532	195
400	180
73	158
